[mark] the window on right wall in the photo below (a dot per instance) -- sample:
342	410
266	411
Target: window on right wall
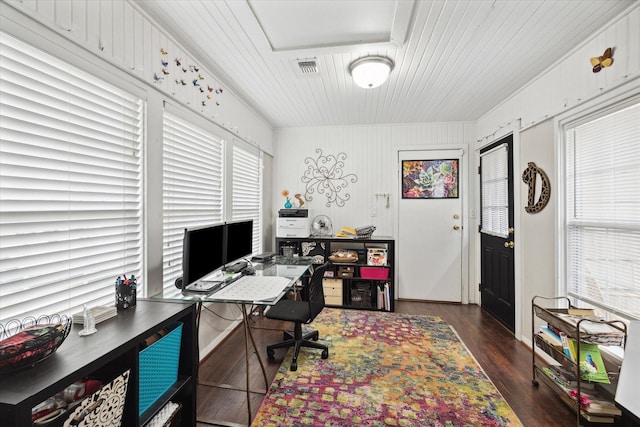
602	210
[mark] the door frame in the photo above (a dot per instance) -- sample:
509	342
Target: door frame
513	128
465	160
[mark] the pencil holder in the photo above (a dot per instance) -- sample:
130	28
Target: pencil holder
126	292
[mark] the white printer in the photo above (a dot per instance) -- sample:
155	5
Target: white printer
293	223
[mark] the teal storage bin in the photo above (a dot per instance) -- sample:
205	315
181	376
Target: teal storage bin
159	366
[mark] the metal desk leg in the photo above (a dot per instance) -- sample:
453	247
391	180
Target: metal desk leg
248	336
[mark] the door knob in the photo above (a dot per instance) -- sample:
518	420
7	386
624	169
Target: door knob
456	227
509	244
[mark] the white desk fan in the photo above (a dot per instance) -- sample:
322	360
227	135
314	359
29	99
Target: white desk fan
321	226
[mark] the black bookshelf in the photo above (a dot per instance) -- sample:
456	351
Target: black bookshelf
355	291
107	353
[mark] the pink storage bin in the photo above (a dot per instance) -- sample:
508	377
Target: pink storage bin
374	273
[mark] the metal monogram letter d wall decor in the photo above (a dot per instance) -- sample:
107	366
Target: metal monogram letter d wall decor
529	178
325	175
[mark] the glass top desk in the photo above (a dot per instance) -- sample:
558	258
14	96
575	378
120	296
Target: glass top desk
292	268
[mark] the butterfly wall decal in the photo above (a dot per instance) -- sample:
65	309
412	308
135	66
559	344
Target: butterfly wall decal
600	62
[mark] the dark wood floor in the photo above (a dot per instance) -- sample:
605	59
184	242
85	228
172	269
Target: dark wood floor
505	360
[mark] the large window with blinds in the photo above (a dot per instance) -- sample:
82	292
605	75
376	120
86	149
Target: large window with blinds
70	185
192	186
247	189
602	212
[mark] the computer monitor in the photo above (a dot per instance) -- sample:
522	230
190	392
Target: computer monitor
202	252
239	240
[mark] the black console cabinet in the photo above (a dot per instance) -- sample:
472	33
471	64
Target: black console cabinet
353	285
110	351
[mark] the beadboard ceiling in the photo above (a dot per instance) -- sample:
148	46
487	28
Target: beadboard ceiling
454	60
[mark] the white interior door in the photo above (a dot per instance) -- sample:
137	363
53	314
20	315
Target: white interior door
430	226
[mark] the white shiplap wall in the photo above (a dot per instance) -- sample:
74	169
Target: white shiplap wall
118	32
571	82
115	42
371	155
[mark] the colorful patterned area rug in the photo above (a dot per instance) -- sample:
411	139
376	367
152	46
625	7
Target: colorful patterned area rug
384	369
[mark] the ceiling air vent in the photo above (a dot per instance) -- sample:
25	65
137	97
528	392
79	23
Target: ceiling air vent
307	67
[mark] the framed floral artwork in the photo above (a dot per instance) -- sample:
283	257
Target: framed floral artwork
430	179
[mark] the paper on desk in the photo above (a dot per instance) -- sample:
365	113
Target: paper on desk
252	288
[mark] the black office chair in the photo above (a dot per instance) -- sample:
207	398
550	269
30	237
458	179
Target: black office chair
301	312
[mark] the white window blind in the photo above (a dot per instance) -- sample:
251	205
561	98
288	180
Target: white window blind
603	211
494	165
70	185
192	186
247	189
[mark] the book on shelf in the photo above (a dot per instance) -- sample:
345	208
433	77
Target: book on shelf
590	361
581	311
565	378
597	404
387	296
602	419
595	330
384	297
599	409
550	337
564	374
553	329
566	346
559	380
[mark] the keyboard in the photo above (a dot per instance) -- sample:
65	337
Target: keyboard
254	288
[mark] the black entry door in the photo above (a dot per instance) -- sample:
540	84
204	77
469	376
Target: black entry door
497	239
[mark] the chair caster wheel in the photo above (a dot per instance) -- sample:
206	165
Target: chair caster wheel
294	366
315	336
271	353
325	354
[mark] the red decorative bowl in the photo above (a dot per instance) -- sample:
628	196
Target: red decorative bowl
29	341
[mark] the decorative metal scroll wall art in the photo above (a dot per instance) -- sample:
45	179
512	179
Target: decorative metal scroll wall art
325	175
529	177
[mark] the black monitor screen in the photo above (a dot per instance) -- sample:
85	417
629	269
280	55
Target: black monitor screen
202	252
239	240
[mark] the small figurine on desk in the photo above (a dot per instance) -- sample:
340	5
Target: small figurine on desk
89	323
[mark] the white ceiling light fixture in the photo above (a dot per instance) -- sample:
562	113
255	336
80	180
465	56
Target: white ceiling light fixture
370	71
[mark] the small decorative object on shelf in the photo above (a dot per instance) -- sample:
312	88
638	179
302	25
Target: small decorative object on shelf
342	255
168	416
287	202
126	289
89	322
365	232
29	341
